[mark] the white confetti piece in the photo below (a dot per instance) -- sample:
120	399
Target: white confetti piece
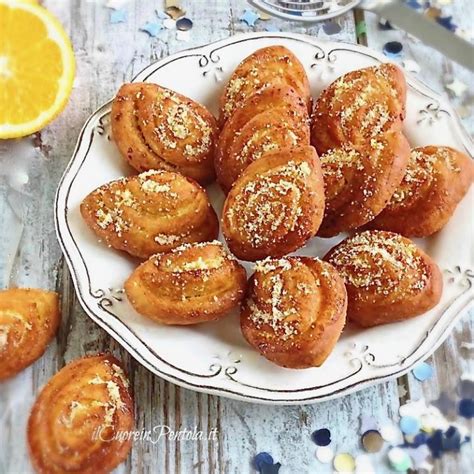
364	464
390	433
183	35
324	454
457	87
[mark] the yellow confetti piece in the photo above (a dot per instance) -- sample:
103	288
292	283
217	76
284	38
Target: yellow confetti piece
344	462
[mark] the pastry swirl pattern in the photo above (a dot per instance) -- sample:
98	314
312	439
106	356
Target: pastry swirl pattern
157	128
79	420
149	213
294	311
388	278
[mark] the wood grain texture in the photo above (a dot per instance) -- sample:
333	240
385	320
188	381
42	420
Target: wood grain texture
108	55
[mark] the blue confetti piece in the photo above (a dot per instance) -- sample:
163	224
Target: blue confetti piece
447	22
423	371
466	408
249	17
118	16
451	440
151	28
262	458
184	24
272	29
435	443
270	468
331	28
322	437
414	4
393	49
409	425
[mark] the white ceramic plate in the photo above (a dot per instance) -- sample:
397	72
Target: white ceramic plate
214	357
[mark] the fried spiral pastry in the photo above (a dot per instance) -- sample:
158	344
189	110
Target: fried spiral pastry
435	181
359	106
149	213
189	285
157	128
295	311
359	182
29	319
271	119
388	278
81	418
275	206
273	65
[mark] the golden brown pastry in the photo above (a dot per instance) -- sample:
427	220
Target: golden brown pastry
157	128
29	320
359	106
295	311
273	65
275	206
359	182
436	180
149	213
79	422
191	284
269	120
388	278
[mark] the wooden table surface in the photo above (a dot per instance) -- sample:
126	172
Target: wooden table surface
107	55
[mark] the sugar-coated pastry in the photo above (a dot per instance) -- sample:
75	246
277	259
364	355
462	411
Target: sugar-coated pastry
29	319
359	182
294	311
276	205
273	65
81	419
388	278
271	119
191	284
358	106
152	212
157	128
435	181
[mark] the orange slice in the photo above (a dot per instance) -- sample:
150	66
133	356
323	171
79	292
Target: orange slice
36	67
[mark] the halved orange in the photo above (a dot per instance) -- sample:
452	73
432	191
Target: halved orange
36	67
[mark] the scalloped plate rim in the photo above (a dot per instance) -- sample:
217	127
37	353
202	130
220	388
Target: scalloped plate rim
140	353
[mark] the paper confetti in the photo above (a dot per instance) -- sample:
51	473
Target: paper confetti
447	22
344	462
322	437
363	464
399	459
118	16
393	49
409	425
184	36
466	408
324	454
390	433
372	441
457	87
262	458
151	28
115	4
249	17
361	28
175	12
385	24
423	371
331	28
272	28
184	24
169	24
